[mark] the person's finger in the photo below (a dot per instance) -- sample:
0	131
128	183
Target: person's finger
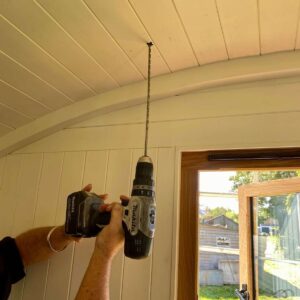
116	215
109	208
77	240
88	187
103	207
124	200
103	196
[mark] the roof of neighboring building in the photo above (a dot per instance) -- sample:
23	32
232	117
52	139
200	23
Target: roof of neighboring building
209	220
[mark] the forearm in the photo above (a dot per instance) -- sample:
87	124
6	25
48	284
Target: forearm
33	245
95	284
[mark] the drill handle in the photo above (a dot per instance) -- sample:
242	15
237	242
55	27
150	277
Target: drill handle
102	219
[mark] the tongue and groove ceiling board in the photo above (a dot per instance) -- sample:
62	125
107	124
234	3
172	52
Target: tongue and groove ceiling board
279	23
54	53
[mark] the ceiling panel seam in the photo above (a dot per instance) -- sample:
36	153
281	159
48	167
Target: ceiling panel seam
297	28
49	55
7	126
26	95
222	30
37	76
259	27
112	38
217	116
15	111
145	28
73	39
185	31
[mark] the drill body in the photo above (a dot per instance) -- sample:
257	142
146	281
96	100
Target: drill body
141	211
83	218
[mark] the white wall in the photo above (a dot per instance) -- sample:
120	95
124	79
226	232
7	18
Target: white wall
36	180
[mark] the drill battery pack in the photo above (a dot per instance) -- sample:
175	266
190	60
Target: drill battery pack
83	216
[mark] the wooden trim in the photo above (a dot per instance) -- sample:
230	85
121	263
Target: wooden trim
188	233
246	193
249	69
245	242
191	164
270	188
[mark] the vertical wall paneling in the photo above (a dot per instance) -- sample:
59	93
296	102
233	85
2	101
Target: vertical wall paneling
117	183
297	41
60	266
26	195
8	194
48	191
35	281
26	199
95	173
162	252
2	170
82	253
17	291
176	214
138	270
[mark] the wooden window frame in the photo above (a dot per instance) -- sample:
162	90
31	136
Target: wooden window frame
191	164
246	194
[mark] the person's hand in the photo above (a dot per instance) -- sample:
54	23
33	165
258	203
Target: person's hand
89	187
61	229
111	239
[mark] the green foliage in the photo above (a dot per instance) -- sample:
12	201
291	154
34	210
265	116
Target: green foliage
218	292
246	177
269	207
226	292
241	178
218	211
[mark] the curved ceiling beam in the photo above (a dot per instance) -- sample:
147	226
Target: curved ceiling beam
249	69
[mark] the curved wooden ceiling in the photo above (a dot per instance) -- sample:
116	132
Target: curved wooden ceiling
56	52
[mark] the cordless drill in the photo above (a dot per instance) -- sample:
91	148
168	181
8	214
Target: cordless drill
83	218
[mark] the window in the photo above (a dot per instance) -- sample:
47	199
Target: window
191	164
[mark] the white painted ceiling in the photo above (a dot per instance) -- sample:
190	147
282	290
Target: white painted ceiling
57	52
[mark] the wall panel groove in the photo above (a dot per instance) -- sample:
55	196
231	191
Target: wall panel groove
162	260
61	264
36	279
26	199
95	173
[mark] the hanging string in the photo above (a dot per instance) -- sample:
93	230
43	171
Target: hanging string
150	44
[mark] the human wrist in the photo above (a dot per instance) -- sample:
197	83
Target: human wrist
60	236
57	239
103	253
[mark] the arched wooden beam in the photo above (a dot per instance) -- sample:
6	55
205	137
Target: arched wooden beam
242	70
